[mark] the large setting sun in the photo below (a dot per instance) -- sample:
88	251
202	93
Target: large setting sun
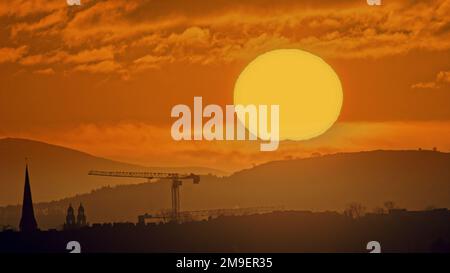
307	89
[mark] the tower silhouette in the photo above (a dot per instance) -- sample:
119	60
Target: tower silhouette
27	222
70	218
81	217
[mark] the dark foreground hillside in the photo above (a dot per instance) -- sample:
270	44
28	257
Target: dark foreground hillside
398	231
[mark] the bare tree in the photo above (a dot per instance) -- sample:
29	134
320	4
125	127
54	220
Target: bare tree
355	210
389	205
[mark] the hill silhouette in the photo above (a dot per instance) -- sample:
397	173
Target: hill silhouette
57	172
413	179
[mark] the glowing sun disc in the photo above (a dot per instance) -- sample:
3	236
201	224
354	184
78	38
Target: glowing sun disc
307	89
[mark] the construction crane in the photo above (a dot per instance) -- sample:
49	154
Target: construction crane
175	177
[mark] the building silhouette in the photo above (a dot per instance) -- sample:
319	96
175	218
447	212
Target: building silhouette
81	217
70	218
27	221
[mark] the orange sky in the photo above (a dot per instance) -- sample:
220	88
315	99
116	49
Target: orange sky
102	77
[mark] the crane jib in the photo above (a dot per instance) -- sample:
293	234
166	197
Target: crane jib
147	175
175	177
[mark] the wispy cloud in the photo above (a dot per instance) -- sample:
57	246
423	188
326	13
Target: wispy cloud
442	80
11	54
100	67
42	24
46	71
24	8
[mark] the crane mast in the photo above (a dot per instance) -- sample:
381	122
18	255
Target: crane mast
175	177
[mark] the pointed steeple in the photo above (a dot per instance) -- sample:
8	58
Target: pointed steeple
27	222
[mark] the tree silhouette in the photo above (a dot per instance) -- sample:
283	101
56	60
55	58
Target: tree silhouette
389	205
355	210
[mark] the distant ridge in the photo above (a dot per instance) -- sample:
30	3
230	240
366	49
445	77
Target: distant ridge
57	172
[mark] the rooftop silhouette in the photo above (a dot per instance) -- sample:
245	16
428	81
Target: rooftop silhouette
279	231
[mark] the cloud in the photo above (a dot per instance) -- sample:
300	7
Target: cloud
442	79
95	55
100	67
47	58
425	85
141	35
99	60
48	21
151	62
10	54
24	8
46	71
350	31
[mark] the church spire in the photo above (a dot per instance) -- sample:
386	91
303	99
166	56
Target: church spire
27	222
